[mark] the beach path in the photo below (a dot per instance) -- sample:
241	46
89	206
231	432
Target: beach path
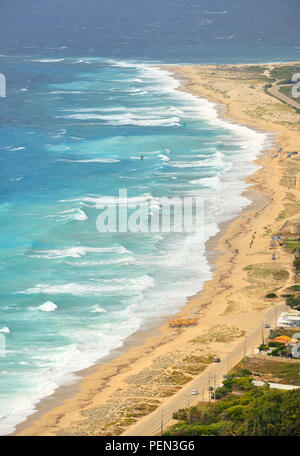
275	91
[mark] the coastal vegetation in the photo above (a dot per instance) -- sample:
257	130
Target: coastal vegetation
271	369
255	412
293	301
278	348
242	409
218	333
283	73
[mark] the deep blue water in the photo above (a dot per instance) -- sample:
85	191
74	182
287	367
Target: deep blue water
83	104
172	30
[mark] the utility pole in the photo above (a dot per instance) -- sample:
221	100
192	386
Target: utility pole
162	423
209	387
245	347
215	385
262	332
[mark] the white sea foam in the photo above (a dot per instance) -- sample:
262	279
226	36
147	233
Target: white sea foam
124	112
89	345
164	157
48	60
128	118
98	309
16	179
48	306
88	62
5	330
76	252
124	260
73	92
213	182
91	160
100	200
191	164
70	214
135	285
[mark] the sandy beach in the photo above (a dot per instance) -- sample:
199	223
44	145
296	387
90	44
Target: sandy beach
155	365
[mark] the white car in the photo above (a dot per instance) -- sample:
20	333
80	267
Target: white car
194	392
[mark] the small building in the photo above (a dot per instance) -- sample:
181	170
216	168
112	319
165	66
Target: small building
258	383
283	387
296	350
289	319
274	385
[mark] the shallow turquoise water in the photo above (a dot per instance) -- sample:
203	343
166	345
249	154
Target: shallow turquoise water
73	134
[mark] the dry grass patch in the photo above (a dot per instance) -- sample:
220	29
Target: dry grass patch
266	272
218	333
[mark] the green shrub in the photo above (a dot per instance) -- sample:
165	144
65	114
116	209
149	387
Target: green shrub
273	334
276	344
199	429
243	373
279	351
294	288
235	412
222	391
258	412
242	383
293	302
181	414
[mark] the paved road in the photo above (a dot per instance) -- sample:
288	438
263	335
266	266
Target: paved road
152	423
274	90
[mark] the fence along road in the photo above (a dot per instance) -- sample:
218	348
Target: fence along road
154	422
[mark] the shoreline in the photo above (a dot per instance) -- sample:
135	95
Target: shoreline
142	335
52	414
